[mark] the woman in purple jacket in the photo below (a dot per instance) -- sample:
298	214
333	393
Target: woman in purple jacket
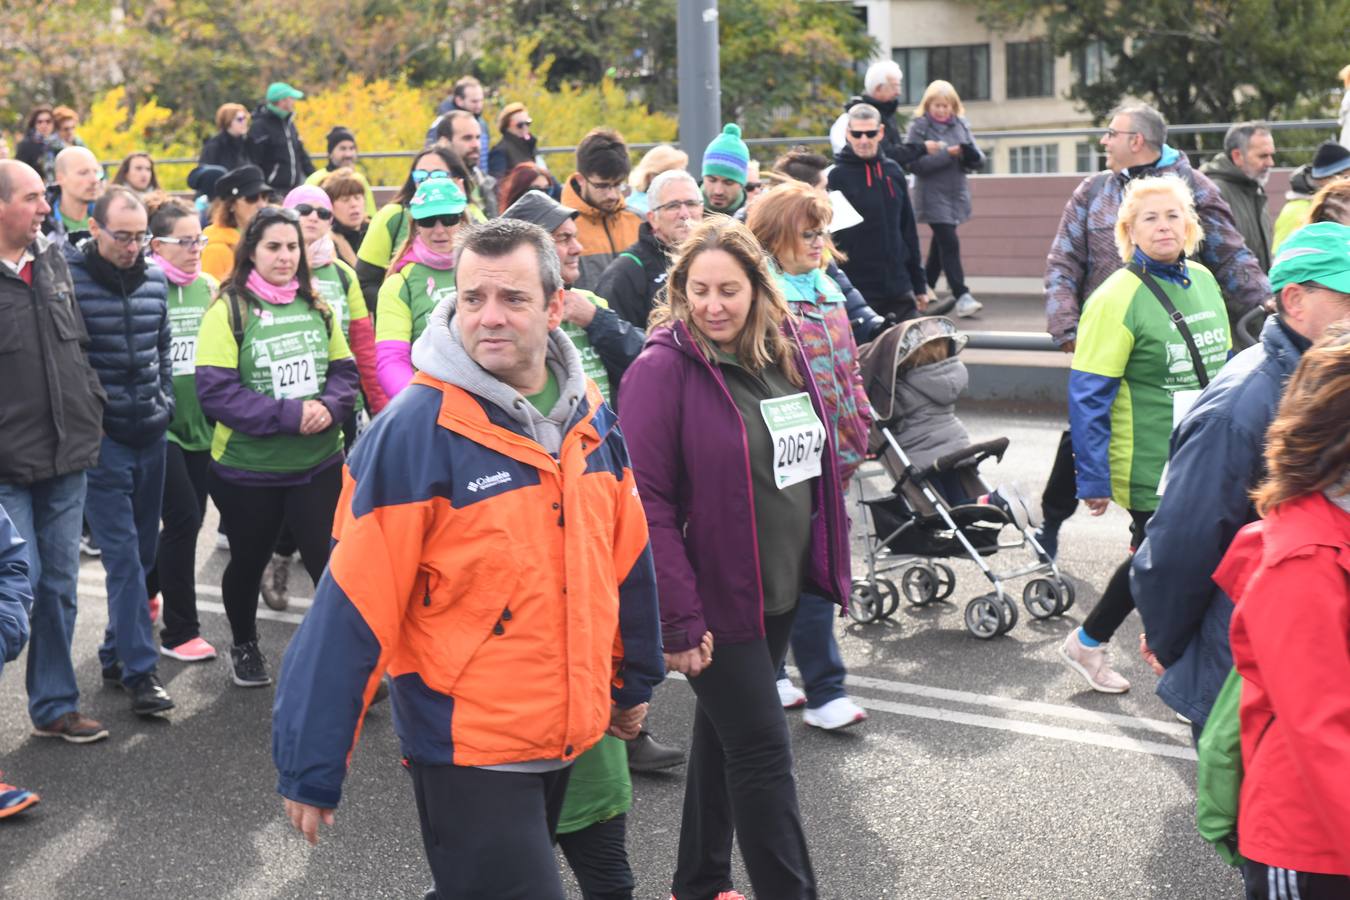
740	482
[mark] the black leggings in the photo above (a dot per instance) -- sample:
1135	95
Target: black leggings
944	255
1061	489
740	779
1117	602
253	517
175	571
598	857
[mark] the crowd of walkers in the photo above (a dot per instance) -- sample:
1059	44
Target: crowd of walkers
539	441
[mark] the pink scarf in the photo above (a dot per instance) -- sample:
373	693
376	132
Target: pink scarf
175	274
321	252
419	252
278	295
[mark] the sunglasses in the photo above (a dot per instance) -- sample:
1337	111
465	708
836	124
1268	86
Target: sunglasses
523	123
261	197
242	117
421	175
269	215
185	243
864	134
449	220
304	209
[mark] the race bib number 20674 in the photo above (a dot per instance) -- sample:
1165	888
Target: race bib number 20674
798	438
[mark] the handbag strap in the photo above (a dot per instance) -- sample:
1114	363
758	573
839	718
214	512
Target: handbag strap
1177	319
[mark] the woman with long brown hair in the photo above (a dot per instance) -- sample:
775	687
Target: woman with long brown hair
1289	576
740	482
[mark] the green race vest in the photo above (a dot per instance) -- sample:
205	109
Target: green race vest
590	360
423	288
284	355
328	283
187	304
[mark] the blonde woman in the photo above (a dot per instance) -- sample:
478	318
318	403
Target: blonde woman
228	147
661	158
1134	374
941	193
740	483
1344	75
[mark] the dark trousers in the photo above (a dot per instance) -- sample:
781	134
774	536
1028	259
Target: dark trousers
175	571
286	545
1060	498
944	256
598	856
253	517
1269	883
894	309
739	781
1117	602
490	834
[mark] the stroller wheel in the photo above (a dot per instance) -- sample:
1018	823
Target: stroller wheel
1066	595
1009	612
1043	598
864	603
888	600
985	616
946	579
920	585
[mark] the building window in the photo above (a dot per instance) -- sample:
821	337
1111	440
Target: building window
1092	63
965	66
1089	157
1031	70
1033	159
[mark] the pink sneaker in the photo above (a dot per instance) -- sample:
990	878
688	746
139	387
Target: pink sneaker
725	895
1090	662
195	650
154	609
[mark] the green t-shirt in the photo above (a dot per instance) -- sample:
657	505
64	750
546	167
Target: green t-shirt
407	299
782	516
73	225
599	787
187	306
388	230
591	363
545	400
1125	333
284	355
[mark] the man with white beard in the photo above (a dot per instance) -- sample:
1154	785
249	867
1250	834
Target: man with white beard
1241	172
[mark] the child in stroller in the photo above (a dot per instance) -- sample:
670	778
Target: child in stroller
939	505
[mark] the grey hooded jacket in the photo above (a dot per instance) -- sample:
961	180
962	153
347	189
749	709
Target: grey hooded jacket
925	405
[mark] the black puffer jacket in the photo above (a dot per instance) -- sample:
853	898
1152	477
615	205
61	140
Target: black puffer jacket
51	408
633	278
883	250
275	147
126	312
225	150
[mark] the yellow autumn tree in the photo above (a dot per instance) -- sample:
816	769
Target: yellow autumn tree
112	131
562	117
384	114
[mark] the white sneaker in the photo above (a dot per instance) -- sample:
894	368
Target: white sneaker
834	715
789	694
967	306
1090	662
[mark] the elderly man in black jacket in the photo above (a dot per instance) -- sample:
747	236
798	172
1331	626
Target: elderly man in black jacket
273	142
124	303
883	249
52	407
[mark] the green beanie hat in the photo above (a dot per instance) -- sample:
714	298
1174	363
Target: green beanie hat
727	156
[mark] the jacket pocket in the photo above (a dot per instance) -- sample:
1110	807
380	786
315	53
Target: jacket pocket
63	317
455	617
10	339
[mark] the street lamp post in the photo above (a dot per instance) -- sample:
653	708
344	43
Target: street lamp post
700	81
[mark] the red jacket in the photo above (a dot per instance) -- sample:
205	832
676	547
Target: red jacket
1290	578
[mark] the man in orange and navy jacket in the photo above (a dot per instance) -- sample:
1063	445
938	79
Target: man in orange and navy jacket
492	556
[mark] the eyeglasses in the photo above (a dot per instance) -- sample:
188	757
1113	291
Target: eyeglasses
816	234
304	209
449	220
690	205
523	123
864	134
242	117
604	186
421	175
1111	132
186	243
127	238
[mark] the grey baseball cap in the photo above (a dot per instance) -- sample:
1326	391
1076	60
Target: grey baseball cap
540	209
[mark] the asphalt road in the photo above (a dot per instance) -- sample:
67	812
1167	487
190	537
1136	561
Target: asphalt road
986	769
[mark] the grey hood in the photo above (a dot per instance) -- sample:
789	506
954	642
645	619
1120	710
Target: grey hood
441	354
940	383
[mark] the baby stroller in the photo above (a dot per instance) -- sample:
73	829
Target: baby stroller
914	525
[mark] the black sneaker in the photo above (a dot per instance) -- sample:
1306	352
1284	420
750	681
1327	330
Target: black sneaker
248	668
647	754
148	697
112	675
